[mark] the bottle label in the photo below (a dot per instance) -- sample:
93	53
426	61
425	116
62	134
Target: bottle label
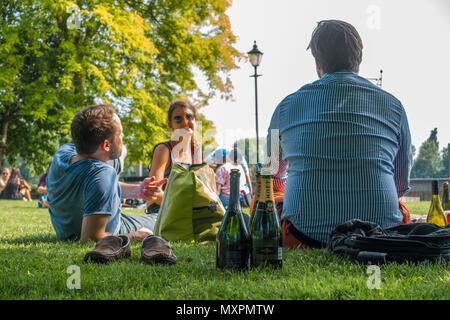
236	259
447	215
267	254
266	189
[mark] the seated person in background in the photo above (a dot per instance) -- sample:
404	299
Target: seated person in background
83	190
347	144
4	178
42	185
222	175
25	189
14	187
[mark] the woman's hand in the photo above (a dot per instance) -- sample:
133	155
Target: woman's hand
151	190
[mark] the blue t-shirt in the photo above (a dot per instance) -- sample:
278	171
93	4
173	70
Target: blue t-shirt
348	148
80	189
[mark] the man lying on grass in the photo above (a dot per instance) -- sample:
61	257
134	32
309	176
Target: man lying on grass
83	190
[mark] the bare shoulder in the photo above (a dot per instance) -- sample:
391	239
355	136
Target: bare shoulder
160	161
161	152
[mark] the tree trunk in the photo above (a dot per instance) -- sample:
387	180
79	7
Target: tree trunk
3	136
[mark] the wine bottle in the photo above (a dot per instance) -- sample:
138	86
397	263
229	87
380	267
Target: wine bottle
255	198
265	232
446	202
233	240
436	213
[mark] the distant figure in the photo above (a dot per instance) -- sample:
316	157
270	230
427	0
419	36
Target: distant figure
346	142
42	185
223	175
4	178
234	154
16	188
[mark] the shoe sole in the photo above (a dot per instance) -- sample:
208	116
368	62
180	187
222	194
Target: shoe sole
160	259
103	259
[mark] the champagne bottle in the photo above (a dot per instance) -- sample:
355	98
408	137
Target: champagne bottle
255	198
446	202
233	240
436	213
266	236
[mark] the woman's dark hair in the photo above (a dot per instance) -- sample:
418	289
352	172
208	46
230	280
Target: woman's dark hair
91	126
13	184
336	45
180	103
15	174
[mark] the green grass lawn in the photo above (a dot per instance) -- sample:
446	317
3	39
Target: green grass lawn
35	265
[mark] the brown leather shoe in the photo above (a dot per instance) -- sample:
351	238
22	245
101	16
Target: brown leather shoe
108	249
157	250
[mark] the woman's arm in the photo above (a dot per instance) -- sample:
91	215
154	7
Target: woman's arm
25	185
160	162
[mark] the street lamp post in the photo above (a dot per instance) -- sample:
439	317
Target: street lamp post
255	57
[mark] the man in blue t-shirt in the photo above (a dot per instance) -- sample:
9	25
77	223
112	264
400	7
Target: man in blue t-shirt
83	190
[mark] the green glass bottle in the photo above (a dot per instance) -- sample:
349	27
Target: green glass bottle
446	202
436	213
233	240
255	198
265	232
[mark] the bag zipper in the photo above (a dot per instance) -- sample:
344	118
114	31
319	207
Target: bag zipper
212	207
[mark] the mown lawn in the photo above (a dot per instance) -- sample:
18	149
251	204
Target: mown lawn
35	265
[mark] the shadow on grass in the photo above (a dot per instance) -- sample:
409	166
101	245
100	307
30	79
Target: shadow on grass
34	239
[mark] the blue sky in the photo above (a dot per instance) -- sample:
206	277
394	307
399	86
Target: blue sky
409	40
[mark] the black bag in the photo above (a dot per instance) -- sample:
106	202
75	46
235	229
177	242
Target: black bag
367	242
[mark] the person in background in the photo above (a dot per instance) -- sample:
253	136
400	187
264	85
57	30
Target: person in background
223	174
42	185
181	118
220	154
25	189
4	178
16	188
346	142
237	157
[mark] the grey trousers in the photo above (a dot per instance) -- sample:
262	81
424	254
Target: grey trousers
133	223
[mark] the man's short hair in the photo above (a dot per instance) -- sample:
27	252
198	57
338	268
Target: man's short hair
91	126
336	45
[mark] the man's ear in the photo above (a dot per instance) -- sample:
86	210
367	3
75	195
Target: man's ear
105	145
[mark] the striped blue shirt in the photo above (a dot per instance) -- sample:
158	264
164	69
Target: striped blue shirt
348	149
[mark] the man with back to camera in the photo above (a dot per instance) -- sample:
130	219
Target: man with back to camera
346	142
83	190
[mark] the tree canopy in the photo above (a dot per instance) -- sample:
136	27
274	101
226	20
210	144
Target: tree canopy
57	56
430	163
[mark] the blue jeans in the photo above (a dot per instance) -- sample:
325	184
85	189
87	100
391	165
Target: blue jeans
225	201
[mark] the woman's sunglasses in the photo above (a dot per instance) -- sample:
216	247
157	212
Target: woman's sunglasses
178	119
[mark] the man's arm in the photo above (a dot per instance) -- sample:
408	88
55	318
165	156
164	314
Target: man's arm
93	229
403	160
